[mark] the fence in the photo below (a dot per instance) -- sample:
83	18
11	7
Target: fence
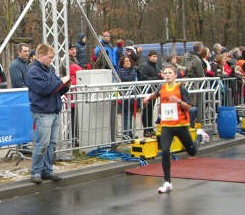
99	115
108	114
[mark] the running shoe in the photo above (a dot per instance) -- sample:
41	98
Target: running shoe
167	187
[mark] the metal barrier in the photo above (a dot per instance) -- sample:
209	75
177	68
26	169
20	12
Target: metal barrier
231	91
99	115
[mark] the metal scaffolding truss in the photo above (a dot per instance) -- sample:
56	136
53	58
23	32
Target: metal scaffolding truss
55	30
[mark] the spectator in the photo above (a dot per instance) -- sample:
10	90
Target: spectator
192	62
100	62
18	67
230	62
172	59
133	54
194	69
236	53
205	54
127	73
82	54
73	63
147	72
220	66
73	68
217	48
18	72
45	91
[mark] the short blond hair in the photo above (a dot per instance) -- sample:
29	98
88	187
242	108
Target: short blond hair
44	49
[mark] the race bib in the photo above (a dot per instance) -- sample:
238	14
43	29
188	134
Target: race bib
169	111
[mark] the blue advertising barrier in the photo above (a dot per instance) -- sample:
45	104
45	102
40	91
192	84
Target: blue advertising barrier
16	125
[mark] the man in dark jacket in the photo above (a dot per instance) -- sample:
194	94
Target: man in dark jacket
147	72
193	62
45	91
194	69
18	68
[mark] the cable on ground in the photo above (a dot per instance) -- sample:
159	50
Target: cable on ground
108	154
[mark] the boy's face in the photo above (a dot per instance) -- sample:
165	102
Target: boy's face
153	58
72	52
169	75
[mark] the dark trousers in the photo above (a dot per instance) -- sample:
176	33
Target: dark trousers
74	124
166	139
147	116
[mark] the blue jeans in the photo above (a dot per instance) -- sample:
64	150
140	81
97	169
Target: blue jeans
45	139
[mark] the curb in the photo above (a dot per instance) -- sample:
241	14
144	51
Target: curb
25	187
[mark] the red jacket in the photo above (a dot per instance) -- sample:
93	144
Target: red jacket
73	70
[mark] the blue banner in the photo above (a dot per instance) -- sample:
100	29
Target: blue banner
16	125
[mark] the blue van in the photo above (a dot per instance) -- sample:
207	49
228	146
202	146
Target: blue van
165	49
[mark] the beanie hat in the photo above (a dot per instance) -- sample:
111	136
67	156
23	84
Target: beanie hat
72	46
152	52
130	48
129	43
224	50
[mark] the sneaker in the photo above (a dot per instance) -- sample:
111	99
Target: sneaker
53	177
36	179
205	136
167	187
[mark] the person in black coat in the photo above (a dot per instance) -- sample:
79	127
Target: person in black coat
147	72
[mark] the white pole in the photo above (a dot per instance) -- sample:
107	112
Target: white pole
167	29
183	19
22	15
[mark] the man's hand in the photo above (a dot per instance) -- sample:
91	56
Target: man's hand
66	79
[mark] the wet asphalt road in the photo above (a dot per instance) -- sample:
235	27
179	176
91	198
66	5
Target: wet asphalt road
132	195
